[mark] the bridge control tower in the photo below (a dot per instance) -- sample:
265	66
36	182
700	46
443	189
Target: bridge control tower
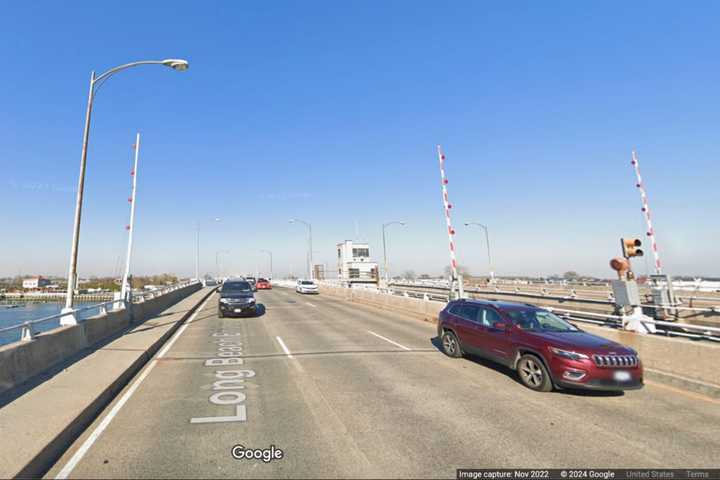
355	265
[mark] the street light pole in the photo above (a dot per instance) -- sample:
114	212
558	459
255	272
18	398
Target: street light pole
72	272
385	257
197	249
175	64
271	262
217	261
309	258
487	243
197	252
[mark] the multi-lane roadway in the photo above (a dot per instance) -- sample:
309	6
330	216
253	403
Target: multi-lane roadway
351	391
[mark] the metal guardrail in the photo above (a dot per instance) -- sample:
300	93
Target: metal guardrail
671	328
28	329
616	321
496	291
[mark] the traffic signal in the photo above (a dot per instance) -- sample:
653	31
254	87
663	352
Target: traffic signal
631	247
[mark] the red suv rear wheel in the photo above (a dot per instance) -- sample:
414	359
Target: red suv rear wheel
451	345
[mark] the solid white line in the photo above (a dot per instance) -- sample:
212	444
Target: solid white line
388	340
284	347
72	463
311	305
68	468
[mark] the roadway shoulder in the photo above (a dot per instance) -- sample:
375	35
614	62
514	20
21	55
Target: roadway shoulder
40	424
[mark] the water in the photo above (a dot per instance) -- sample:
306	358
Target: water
32	311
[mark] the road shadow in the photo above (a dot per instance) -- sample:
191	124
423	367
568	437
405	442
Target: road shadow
509	372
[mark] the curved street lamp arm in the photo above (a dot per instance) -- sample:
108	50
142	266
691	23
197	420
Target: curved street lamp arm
393	223
123	67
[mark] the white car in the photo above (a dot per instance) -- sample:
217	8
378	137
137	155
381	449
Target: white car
307	286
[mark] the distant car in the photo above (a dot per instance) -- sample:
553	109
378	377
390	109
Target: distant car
545	350
263	284
307	286
252	282
236	298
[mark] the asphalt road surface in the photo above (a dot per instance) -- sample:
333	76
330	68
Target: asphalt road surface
351	391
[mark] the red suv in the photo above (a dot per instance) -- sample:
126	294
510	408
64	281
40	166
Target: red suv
543	348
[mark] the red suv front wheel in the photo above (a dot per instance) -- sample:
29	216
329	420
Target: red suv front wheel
533	373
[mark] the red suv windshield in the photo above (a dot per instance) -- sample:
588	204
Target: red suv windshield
540	320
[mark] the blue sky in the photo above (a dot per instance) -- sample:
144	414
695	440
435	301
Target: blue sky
330	112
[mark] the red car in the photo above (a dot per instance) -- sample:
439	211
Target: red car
263	284
545	350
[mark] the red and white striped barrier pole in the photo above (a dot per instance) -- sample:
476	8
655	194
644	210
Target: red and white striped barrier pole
447	206
646	213
126	287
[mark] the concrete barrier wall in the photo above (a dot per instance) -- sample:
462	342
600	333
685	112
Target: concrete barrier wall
687	359
21	361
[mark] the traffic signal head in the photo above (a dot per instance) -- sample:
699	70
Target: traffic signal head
631	247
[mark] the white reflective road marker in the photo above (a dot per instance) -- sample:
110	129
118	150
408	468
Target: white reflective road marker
310	305
72	463
284	347
388	340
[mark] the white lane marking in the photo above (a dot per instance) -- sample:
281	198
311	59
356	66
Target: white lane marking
311	305
284	347
72	463
388	340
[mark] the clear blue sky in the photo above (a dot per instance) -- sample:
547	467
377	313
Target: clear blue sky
330	111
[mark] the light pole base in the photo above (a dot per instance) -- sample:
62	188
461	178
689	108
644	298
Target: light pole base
68	318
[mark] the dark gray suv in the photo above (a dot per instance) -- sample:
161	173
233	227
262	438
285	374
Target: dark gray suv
236	299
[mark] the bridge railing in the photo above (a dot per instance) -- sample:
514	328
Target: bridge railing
441	294
30	328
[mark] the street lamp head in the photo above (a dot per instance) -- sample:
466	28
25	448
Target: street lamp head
402	223
467	224
292	220
176	64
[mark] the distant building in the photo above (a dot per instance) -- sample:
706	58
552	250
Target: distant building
35	283
319	272
354	263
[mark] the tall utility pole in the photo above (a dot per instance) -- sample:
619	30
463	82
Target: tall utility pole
131	226
646	212
487	244
95	81
385	256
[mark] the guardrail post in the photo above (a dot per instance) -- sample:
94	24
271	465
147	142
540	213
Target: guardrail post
27	332
68	317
